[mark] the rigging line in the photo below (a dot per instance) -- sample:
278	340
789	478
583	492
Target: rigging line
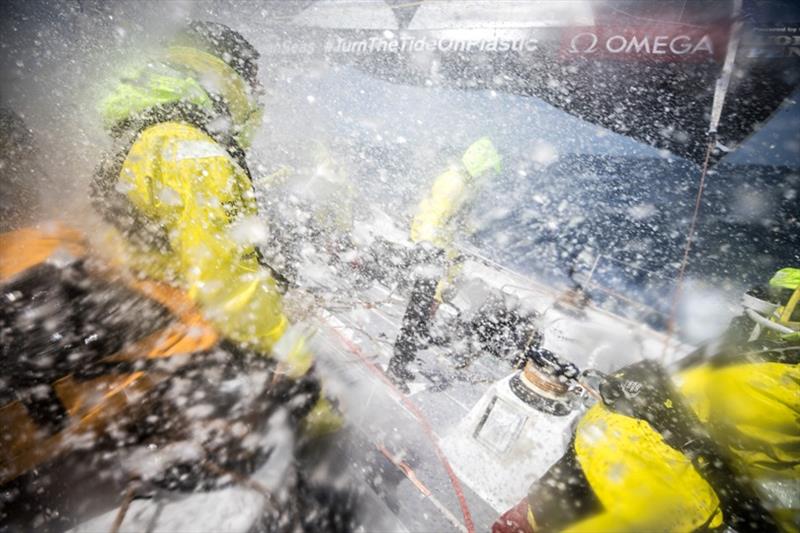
720	91
407	471
409	4
421	419
624	298
687	248
245	481
660	21
130	494
683	8
652	273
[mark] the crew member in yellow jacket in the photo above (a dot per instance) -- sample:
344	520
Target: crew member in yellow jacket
441	215
178	191
714	446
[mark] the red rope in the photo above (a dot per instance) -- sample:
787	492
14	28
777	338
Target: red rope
687	247
423	422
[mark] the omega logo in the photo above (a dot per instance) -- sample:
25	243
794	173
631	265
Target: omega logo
589	43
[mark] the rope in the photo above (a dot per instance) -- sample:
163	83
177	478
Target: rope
421	419
425	491
244	481
687	248
126	503
720	91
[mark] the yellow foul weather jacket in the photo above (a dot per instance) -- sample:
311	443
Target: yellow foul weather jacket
177	175
646	469
439	213
435	220
442	213
181	198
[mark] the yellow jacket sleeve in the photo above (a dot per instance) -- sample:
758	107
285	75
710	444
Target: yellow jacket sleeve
642	483
752	410
435	213
182	179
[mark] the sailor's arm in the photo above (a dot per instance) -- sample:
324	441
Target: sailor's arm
191	185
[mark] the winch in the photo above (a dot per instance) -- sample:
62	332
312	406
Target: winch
544	383
521	424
